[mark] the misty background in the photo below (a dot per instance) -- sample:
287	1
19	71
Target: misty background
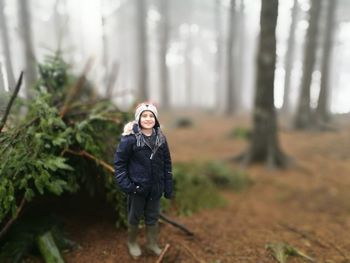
179	46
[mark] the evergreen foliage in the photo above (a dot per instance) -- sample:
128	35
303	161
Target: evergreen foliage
40	153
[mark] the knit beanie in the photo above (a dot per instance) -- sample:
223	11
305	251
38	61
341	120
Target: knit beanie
146	106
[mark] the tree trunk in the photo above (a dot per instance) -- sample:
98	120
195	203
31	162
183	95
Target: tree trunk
2	82
303	118
230	100
218	75
289	58
264	145
164	40
105	53
6	47
322	110
188	68
26	33
142	50
240	57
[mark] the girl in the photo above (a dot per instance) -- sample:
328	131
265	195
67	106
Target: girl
143	170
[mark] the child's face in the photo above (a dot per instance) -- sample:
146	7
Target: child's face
147	120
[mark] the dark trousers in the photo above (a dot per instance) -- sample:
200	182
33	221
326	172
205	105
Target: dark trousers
139	206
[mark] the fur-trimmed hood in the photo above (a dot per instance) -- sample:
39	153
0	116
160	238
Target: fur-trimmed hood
128	128
133	128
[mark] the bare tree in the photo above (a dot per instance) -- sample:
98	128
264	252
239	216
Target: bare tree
290	58
240	54
2	85
189	65
230	90
264	146
218	72
60	22
303	118
6	46
322	110
142	41
164	41
26	33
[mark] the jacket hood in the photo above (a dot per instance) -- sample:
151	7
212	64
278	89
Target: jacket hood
133	128
128	128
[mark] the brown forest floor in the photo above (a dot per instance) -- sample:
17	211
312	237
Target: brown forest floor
307	206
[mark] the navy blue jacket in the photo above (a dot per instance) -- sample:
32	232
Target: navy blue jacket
141	170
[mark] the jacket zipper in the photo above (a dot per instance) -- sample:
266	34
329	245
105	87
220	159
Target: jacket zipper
151	158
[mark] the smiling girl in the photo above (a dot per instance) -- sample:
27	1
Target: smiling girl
143	171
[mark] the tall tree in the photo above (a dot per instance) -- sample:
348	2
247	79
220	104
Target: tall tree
290	58
240	54
2	85
6	46
189	65
26	33
303	118
105	53
230	87
164	41
218	72
264	145
142	42
322	110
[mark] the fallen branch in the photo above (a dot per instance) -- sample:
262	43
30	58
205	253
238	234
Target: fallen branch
326	245
112	79
13	219
161	256
171	222
75	89
192	254
341	252
91	157
9	105
304	235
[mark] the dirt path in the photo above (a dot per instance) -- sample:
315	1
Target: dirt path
307	206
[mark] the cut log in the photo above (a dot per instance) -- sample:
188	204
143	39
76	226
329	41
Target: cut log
48	248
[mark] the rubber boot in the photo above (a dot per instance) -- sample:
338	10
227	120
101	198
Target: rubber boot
134	248
152	239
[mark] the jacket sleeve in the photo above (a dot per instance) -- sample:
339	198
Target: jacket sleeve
121	159
168	173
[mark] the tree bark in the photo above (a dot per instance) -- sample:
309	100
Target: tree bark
289	58
105	53
26	33
230	100
6	46
322	110
303	119
264	145
142	60
240	57
164	40
218	72
2	82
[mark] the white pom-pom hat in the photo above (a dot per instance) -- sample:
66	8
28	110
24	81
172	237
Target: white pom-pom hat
146	106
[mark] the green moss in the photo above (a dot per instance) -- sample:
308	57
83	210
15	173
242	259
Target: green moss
240	133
